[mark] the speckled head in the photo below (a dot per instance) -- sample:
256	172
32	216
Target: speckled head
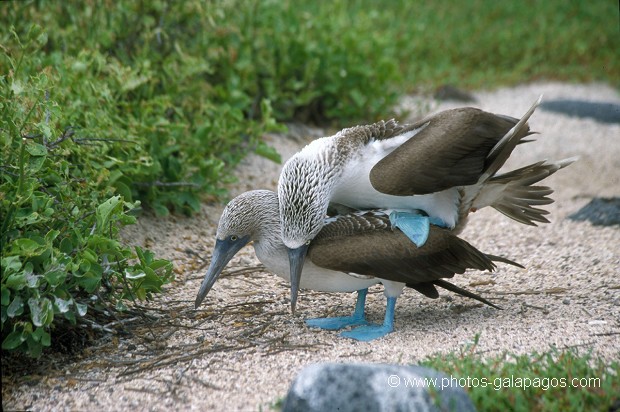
242	220
247	215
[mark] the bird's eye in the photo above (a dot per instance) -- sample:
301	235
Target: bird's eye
308	242
234	238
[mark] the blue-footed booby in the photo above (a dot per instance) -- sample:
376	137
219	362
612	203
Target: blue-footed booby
437	170
350	253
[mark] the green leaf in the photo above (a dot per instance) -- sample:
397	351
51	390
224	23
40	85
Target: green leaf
134	276
268	152
81	308
123	190
13	340
55	278
160	209
16	281
35	164
6	295
66	246
120	306
70	316
63	305
11	264
16	307
141	255
46	338
36	149
51	235
32	280
90	282
41	311
40	335
160	263
105	211
34	347
27	247
103	244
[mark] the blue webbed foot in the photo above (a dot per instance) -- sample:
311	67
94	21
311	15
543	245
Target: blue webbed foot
336	323
358	318
371	331
367	332
415	225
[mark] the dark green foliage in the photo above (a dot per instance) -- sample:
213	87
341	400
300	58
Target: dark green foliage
60	214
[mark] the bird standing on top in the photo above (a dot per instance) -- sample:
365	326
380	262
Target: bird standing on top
436	171
351	252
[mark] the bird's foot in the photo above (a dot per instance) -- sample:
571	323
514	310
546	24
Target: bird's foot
415	225
368	332
336	323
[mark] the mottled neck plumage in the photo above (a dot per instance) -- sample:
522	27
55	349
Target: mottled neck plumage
308	179
304	190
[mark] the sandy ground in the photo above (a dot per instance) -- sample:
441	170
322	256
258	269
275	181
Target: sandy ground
242	348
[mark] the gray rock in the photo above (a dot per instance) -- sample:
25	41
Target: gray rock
449	92
600	111
374	387
600	212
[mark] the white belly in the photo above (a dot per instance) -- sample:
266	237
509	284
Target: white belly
312	276
355	190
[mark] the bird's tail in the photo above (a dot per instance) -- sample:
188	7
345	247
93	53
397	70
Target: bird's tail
463	292
515	195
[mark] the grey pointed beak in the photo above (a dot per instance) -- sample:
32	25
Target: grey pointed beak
296	259
222	253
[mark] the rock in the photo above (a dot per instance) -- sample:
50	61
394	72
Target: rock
600	212
449	92
600	111
374	387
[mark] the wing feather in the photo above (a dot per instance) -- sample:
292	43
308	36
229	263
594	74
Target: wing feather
452	150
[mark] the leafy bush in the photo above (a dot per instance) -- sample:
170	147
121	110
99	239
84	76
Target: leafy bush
60	216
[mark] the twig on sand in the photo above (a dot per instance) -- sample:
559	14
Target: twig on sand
549	291
166	359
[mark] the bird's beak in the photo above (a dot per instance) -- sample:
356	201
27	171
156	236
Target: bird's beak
296	259
222	253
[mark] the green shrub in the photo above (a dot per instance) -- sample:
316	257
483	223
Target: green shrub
60	214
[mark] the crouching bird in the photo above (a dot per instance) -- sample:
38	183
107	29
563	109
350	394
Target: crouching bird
435	171
351	252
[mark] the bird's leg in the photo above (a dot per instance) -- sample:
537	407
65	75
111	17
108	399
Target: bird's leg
369	332
358	317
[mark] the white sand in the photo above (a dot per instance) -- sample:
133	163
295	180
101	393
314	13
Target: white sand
241	350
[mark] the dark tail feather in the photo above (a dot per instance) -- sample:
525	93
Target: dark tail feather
504	260
453	288
519	196
427	289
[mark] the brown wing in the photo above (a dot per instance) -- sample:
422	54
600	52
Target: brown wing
366	245
451	150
